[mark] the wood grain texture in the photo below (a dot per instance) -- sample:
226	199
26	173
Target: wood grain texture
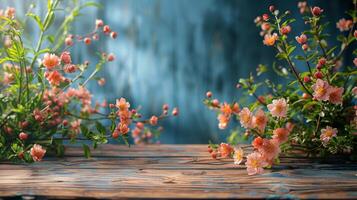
173	171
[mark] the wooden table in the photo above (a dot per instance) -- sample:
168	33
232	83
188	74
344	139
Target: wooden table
172	171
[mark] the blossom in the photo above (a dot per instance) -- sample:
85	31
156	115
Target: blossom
269	40
344	25
255	163
281	135
245	117
302	5
223	121
302	39
226	109
321	90
122	104
101	81
285	30
37	152
66	57
225	150
238	155
54	77
8	78
70	68
260	120
336	95
278	108
327	133
10	12
265	26
50	61
123	128
257	142
75	126
269	150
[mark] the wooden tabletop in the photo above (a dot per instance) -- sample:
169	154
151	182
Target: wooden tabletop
172	171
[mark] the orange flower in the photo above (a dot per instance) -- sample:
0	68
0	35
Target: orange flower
269	40
37	152
225	150
50	61
54	77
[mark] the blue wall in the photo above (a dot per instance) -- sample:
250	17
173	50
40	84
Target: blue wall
173	51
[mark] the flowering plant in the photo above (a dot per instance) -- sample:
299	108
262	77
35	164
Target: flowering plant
44	100
314	112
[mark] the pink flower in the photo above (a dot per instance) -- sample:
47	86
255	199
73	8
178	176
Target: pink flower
344	25
245	117
175	111
327	133
278	108
76	126
255	163
70	68
336	95
122	104
10	12
302	39
66	57
68	41
54	78
238	155
123	128
8	78
50	61
269	150
269	40
111	57
37	152
321	90
355	61
281	135
225	150
260	120
101	81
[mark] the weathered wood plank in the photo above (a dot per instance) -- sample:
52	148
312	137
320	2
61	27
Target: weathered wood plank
173	171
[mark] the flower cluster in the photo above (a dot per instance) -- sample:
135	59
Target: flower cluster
44	100
315	112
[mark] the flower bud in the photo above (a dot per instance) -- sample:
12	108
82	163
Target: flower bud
271	8
99	23
110	57
87	41
68	41
318	75
265	17
66	57
209	94
215	103
316	11
113	35
307	79
175	112
106	29
23	136
115	134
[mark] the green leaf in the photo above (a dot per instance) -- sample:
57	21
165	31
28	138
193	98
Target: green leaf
101	129
37	19
86	151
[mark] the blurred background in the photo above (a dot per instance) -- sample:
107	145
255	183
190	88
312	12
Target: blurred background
173	51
